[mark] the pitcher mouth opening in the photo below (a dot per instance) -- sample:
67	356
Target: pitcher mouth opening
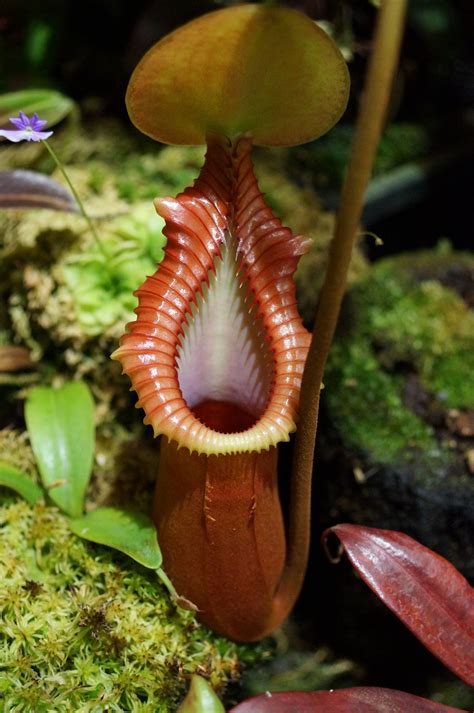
223	416
224	365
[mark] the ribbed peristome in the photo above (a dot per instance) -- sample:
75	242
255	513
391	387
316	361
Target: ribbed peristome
218	322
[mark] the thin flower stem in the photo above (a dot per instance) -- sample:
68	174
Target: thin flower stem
79	202
369	126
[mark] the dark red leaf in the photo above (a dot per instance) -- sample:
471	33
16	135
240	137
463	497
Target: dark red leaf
30	189
424	590
346	700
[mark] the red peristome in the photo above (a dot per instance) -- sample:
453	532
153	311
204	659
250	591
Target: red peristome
223	212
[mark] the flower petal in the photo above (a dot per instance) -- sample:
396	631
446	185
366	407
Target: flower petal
14	135
19	123
40	135
38	124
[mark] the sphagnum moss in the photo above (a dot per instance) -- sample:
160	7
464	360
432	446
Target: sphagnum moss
15	449
83	629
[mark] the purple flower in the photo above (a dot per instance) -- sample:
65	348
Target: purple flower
26	129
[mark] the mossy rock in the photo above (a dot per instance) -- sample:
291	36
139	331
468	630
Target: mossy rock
399	403
84	629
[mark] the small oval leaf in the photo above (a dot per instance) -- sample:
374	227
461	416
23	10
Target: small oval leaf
200	698
61	427
423	589
50	105
132	533
346	700
11	477
269	71
30	189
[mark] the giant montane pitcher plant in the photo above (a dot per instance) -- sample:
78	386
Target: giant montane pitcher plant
217	352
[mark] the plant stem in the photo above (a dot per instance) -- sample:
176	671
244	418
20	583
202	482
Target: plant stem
167	582
369	126
177	599
89	222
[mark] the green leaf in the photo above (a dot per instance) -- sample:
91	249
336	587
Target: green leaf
61	427
11	477
201	698
132	533
50	105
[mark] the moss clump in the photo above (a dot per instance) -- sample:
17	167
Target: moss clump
68	291
451	377
16	450
366	404
64	302
164	172
102	287
401	322
423	322
84	629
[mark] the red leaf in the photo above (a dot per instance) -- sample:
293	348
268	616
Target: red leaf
346	700
424	590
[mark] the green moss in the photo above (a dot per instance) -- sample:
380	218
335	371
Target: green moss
451	377
16	450
83	628
366	404
421	323
102	287
163	172
63	302
400	320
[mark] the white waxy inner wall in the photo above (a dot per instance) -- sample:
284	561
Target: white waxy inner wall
223	355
